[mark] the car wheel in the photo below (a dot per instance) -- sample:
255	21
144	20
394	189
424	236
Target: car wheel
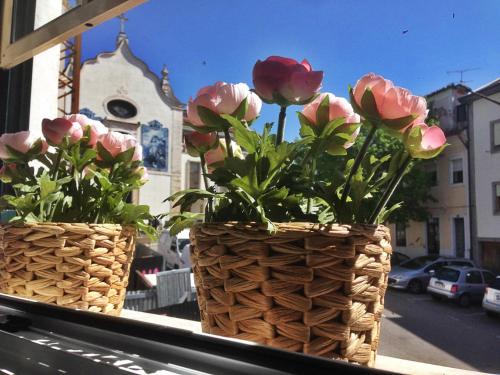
415	286
464	300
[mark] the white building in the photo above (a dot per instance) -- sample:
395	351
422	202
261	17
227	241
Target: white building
119	89
482	110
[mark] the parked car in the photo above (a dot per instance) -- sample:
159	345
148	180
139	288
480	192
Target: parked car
461	284
414	273
168	247
397	258
491	300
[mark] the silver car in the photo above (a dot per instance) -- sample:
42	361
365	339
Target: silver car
491	299
414	274
461	284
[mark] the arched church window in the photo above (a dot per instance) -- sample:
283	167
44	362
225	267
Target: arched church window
121	108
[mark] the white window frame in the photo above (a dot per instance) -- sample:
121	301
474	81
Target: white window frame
450	168
88	14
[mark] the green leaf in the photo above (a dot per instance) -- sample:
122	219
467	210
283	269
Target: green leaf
242	109
210	118
246	138
399	123
307	128
15	154
355	105
125	156
369	104
333	125
323	112
47	186
105	155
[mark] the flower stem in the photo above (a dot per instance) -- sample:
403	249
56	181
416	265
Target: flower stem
209	208
204	170
312	176
281	126
390	189
55	172
227	137
357	163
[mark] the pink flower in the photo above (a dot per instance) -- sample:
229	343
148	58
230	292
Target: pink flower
56	130
217	155
131	141
337	108
116	143
22	142
284	80
391	102
199	143
424	142
223	98
97	128
112	142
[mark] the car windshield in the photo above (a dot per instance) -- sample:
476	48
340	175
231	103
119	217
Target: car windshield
416	263
447	274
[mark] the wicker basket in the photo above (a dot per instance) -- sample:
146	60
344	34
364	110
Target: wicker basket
308	288
84	266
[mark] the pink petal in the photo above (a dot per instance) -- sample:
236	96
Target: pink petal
310	109
306	65
302	86
230	96
433	138
254	106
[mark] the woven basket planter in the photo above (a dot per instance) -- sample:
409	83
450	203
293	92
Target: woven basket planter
308	288
84	266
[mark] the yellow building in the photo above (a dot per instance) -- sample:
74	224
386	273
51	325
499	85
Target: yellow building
447	231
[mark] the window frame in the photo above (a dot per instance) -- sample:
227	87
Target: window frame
451	160
400	241
496	210
77	20
493	147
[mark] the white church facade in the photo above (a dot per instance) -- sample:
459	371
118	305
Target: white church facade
119	89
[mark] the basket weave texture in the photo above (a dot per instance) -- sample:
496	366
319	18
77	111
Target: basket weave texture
84	266
307	288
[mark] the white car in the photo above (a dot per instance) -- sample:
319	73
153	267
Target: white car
491	299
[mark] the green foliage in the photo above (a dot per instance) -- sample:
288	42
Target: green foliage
317	178
409	200
73	185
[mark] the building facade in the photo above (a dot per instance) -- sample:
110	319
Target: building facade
482	110
447	230
119	89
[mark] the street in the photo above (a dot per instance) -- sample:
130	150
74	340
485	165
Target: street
415	327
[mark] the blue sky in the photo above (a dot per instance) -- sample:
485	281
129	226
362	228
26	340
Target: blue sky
203	41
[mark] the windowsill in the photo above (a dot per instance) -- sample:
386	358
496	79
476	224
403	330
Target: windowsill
383	362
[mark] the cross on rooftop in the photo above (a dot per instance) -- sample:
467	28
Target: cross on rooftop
122	19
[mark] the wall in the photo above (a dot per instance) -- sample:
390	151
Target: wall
44	85
486	166
415	239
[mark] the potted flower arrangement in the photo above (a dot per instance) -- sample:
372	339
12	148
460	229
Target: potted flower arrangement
72	235
283	257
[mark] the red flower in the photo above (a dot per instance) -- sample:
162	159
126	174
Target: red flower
286	81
